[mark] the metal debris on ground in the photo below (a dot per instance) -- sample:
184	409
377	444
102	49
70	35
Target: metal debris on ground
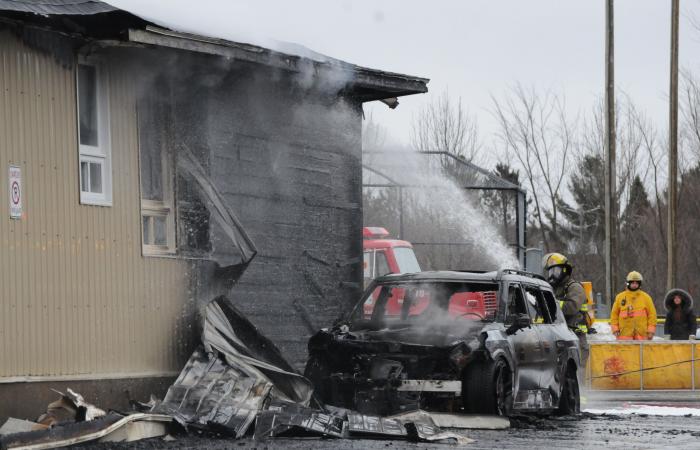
416	426
289	419
225	384
112	427
12	426
462	421
70	407
210	393
373	426
427	432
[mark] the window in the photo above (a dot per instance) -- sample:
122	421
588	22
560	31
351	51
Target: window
156	170
536	305
93	136
516	303
442	304
382	264
406	260
551	304
368	265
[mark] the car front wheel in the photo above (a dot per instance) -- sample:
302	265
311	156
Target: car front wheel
487	388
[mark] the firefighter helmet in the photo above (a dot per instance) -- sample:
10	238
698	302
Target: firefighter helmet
634	276
554	259
556	267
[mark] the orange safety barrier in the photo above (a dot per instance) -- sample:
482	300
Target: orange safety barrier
644	365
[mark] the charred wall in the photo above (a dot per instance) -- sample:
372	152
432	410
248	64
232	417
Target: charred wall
285	154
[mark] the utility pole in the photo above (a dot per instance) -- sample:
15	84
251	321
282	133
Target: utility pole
673	151
610	190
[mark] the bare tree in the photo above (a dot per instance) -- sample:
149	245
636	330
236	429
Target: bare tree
373	134
690	119
534	128
444	125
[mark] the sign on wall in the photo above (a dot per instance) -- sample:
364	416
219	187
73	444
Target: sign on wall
15	192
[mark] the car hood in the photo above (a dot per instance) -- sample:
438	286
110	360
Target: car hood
421	336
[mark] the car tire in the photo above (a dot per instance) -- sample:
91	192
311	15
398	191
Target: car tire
570	399
487	388
317	372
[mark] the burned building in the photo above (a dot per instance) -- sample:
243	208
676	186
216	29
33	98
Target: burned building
150	170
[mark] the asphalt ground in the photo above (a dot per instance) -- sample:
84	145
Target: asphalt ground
585	431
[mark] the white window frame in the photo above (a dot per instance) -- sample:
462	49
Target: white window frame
154	208
101	153
150	208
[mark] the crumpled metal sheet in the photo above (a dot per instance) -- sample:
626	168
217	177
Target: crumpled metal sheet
387	427
289	419
111	428
224	217
284	419
227	331
414	426
210	392
428	432
227	383
70	407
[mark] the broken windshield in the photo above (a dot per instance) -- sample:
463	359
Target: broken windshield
399	304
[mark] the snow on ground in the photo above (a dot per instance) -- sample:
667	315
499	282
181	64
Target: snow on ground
605	334
648	410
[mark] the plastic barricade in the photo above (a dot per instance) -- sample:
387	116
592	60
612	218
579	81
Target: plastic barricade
644	365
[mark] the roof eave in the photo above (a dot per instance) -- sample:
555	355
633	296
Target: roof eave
363	83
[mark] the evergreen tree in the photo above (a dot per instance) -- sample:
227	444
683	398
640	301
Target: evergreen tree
502	204
586	217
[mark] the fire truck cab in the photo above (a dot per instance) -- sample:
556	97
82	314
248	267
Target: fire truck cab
383	255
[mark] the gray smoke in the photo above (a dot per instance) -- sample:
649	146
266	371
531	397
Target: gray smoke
437	209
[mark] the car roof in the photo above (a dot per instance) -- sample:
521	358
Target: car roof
478	276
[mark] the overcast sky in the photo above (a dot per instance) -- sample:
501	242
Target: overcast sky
473	47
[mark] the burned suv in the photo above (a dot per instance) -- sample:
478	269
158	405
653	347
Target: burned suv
493	343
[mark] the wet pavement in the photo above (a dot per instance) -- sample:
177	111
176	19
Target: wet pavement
585	431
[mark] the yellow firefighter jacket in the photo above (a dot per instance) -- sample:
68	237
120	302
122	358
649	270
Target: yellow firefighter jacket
633	315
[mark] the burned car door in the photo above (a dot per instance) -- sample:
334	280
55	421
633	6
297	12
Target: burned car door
546	316
526	345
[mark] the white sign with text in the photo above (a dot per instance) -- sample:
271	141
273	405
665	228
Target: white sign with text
15	192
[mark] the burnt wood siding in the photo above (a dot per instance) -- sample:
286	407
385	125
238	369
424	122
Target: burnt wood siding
288	162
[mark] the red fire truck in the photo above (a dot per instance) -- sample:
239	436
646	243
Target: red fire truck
384	255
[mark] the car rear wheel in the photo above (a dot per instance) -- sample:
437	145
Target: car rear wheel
570	401
487	388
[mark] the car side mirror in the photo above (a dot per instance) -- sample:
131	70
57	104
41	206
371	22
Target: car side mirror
519	321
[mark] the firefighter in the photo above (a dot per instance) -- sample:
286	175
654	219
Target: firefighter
572	297
633	316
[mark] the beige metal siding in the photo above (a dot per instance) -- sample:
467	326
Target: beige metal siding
77	297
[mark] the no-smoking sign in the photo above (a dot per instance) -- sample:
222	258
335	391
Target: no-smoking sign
15	192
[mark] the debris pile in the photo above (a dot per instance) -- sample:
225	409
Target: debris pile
236	384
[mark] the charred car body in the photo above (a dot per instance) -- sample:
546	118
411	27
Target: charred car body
493	343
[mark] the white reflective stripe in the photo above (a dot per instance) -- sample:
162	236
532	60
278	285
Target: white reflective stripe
431	386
